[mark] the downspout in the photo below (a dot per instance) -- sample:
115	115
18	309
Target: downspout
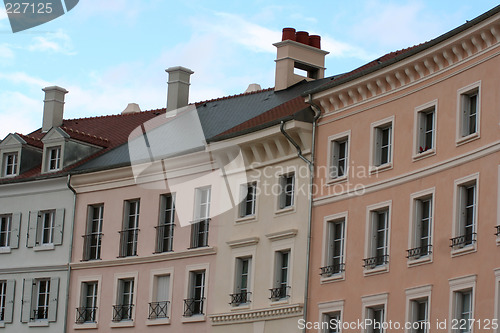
310	163
68	183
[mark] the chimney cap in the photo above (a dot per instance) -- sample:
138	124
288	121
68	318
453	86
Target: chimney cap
131	108
51	88
179	68
253	87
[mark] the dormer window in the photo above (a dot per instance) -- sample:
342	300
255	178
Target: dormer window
54	161
10	164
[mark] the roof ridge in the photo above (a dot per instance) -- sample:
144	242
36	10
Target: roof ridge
117	115
233	96
69	129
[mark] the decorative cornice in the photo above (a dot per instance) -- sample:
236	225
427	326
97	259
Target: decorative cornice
191	253
243	242
35	269
284	234
281	312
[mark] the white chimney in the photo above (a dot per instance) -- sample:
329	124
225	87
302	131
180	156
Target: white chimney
53	107
178	87
132	108
253	87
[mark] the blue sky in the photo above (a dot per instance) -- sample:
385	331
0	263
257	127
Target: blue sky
113	52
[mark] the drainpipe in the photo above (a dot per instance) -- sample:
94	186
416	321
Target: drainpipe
310	163
68	183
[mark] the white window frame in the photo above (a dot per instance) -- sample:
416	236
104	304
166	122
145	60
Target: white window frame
459	185
6	219
417	294
79	299
371	302
127	227
245	250
117	298
57	159
154	274
369	235
333	159
187	291
167	222
496	314
375	149
238	274
325	309
457	287
413	241
419	131
89	232
325	255
285	191
244	194
14	165
463	99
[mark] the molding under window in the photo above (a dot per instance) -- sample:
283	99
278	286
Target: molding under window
290	233
243	242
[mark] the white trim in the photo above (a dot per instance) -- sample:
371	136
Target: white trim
152	277
337	137
431	192
120	276
78	300
496	313
461	139
417	293
417	155
329	307
459	284
324	249
373	130
498	209
372	301
279	245
247	252
368	233
192	268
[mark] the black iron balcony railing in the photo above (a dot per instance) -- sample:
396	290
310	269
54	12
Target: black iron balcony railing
128	242
85	315
240	298
40	314
418	252
497	228
193	306
164	237
199	233
122	312
376	261
92	246
332	269
279	293
463	240
158	310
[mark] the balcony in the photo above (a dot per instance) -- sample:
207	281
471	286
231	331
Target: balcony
463	240
240	298
199	233
122	312
497	228
164	237
373	262
85	315
158	310
279	293
128	242
418	252
92	246
40	314
332	269
193	306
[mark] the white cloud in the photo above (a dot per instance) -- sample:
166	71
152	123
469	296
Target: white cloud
23	78
344	50
6	51
57	42
19	113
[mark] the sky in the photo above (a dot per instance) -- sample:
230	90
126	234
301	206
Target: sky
114	52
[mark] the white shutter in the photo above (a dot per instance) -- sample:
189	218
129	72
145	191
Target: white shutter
54	292
277	269
162	288
26	301
58	226
14	230
9	301
418	223
32	228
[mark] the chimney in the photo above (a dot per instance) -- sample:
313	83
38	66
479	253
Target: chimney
178	87
298	50
53	107
132	108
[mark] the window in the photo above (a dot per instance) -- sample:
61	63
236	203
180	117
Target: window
247	205
158	308
46	234
339	155
3	296
87	311
469	107
130	232
242	282
375	315
165	228
45	228
125	300
54	159
40	299
10	164
382	142
335	263
193	305
199	227
7	288
417	305
287	185
93	237
378	241
5	227
330	316
462	302
426	129
281	275
421	226
465	227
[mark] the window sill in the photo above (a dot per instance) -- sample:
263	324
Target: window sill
333	278
464	250
44	247
425	154
85	326
333	181
124	323
380	168
248	218
467	139
420	261
2	324
38	323
159	321
284	211
194	319
376	270
242	306
280	302
5	249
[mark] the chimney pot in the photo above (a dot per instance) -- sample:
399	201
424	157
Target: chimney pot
315	41
132	108
288	34
178	87
302	37
53	107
